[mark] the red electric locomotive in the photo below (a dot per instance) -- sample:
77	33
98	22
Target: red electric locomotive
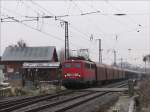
82	72
76	72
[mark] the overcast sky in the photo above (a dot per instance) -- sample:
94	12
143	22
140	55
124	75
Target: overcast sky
132	29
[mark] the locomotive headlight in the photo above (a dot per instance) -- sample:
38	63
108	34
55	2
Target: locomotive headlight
77	74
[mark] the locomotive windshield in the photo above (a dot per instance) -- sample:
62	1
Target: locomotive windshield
72	65
67	65
77	65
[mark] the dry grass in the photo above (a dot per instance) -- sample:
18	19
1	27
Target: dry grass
106	105
144	95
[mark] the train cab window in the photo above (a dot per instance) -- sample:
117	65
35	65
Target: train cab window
77	65
92	66
67	65
87	65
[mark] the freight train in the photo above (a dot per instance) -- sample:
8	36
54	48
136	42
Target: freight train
83	72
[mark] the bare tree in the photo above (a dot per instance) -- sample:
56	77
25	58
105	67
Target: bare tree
146	58
21	43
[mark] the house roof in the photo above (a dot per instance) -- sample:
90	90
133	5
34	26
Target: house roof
29	53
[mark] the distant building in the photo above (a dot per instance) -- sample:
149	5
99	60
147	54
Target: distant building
1	71
27	66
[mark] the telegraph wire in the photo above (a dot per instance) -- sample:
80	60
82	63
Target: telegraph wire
119	32
95	12
10	11
108	14
131	19
33	19
62	16
45	33
41	7
18	21
81	14
28	6
118	10
84	34
69	7
87	13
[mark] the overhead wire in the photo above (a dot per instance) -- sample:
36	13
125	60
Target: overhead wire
69	7
35	11
21	21
131	19
107	15
14	12
129	30
103	33
85	14
93	12
84	34
95	24
138	25
119	32
120	22
81	12
73	27
48	34
41	7
38	13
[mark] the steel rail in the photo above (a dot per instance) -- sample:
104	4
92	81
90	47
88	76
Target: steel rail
95	95
22	103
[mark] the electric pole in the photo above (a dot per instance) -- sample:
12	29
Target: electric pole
66	41
0	31
121	61
114	58
100	51
36	19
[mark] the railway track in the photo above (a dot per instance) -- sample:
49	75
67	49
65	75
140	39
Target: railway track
56	105
16	99
63	105
69	103
78	102
18	103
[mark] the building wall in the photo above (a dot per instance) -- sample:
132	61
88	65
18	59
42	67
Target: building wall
19	76
33	75
13	73
1	75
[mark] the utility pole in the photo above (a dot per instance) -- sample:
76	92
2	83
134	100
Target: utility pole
0	31
145	66
114	58
56	18
100	51
66	41
121	61
66	38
